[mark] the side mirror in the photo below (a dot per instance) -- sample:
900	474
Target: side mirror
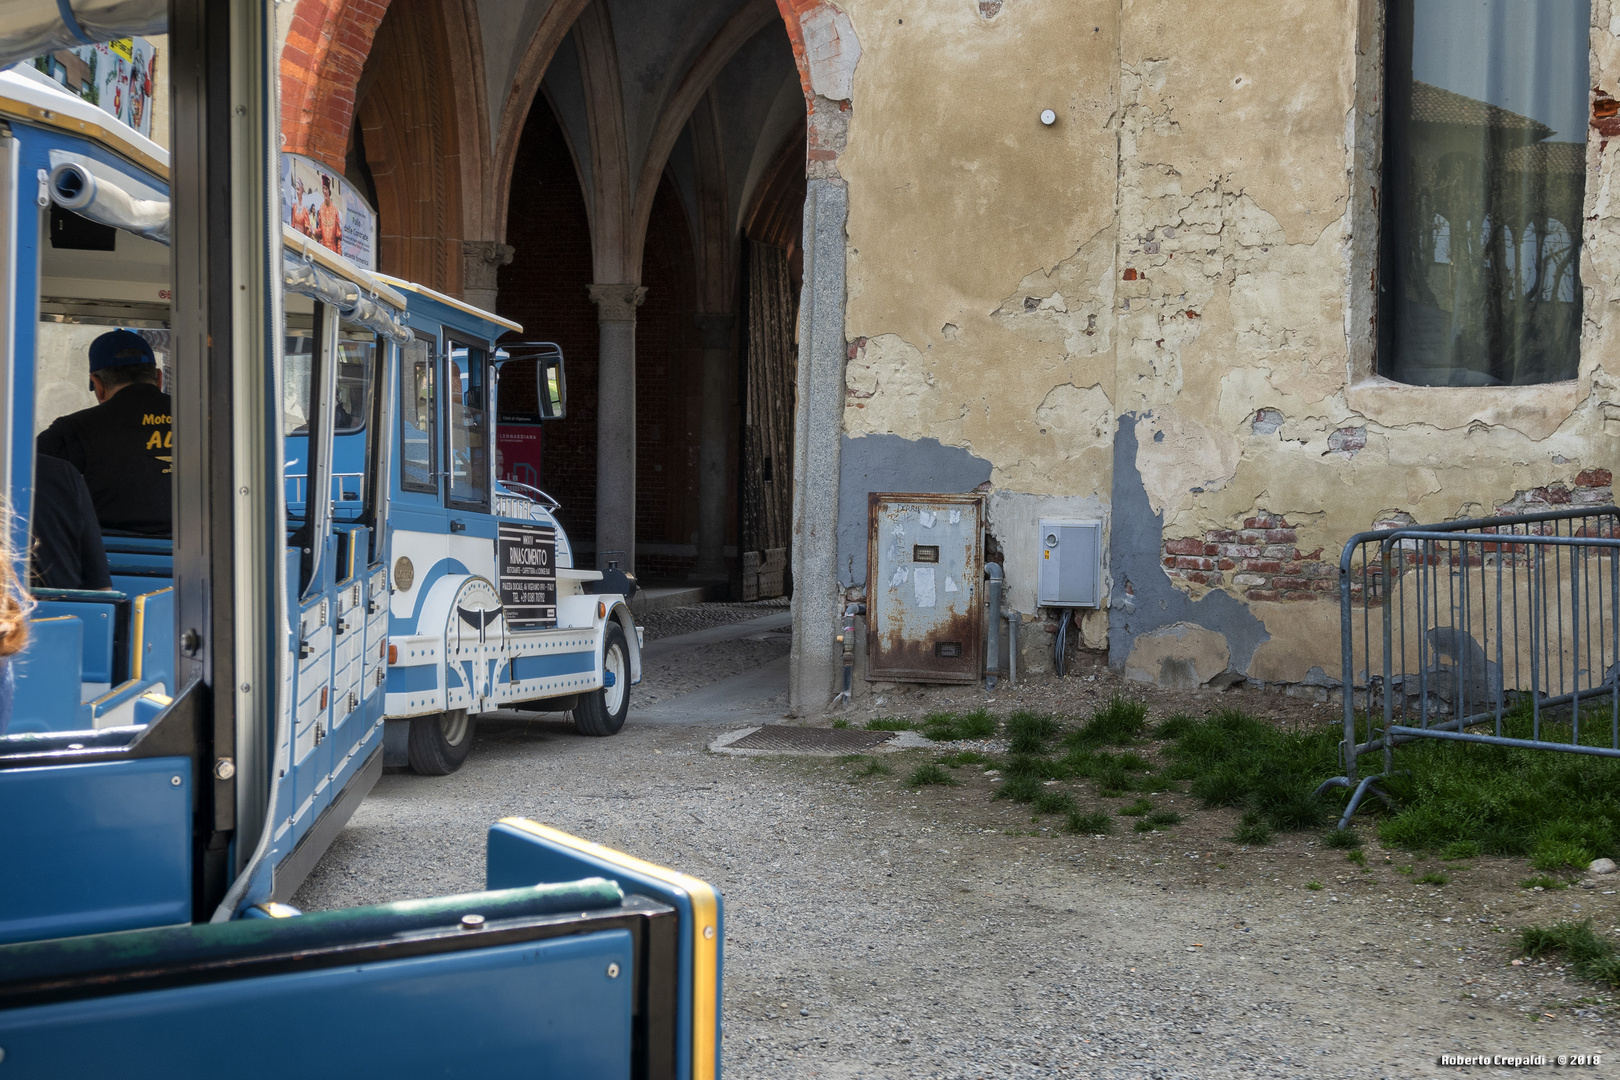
553	387
526	402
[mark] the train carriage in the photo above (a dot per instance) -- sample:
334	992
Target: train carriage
185	744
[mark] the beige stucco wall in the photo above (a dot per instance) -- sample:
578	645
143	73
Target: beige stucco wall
1188	244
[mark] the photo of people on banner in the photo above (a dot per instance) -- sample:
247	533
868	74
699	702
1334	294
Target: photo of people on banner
118	76
321	204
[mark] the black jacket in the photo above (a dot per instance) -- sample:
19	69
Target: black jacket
124	448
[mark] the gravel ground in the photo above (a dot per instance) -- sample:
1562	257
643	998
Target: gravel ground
879	932
671	622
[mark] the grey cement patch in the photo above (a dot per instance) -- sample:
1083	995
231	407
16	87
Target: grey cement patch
1143	599
890	463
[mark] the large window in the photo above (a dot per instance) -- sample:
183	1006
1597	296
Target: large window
1484	180
467	417
417	427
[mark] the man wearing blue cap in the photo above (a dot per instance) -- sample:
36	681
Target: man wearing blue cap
124	446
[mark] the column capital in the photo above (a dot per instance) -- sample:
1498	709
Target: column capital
617	303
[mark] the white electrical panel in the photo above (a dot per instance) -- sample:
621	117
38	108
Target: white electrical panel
1069	565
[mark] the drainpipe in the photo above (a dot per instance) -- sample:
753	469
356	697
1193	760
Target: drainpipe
847	639
992	652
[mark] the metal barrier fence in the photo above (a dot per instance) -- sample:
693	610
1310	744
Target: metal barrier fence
1512	622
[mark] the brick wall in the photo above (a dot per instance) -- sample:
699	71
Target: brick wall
545	289
1260	561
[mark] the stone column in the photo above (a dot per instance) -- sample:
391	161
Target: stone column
818	429
616	421
481	262
713	490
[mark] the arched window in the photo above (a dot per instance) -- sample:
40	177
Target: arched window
1484	178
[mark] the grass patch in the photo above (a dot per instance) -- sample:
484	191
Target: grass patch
1460	849
1138	808
924	775
889	723
840	723
1252	829
1561	810
1434	877
1021	789
1054	802
1314	886
1591	956
1357	856
963	757
1096	823
1039	767
1160	819
1027	732
949	727
1544	881
874	767
1343	839
1236	760
1118	723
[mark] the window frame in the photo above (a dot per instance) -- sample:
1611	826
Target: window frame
407	386
452	343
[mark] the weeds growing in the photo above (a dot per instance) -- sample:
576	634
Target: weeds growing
1021	789
1157	820
1343	839
1544	881
1252	829
1138	808
1054	802
963	757
1590	955
1434	877
1096	823
874	767
924	775
949	727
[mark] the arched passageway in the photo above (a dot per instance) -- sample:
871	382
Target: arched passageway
627	178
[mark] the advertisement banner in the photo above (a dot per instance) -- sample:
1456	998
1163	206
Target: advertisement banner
517	453
117	76
320	203
526	565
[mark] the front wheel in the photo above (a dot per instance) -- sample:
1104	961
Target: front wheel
602	712
438	744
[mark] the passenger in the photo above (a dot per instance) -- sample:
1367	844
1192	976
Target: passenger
67	549
124	447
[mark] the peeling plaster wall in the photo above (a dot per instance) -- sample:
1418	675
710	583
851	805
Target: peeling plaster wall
1161	306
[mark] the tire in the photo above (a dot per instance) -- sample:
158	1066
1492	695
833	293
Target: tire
439	743
602	712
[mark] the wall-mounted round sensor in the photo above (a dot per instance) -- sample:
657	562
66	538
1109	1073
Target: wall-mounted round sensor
1048	117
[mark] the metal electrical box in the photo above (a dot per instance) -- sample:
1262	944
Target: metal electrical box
924	604
1069	570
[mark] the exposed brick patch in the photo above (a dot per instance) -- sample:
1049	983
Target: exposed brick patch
1592	487
1261	561
326	49
1347	440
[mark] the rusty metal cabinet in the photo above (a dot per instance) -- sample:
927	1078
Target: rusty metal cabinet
924	607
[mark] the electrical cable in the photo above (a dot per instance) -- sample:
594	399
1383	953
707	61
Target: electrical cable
1061	642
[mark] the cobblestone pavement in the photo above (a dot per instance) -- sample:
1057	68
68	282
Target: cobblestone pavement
874	931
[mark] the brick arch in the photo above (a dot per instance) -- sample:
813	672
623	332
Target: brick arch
327	44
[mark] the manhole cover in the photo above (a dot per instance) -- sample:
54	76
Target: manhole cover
810	740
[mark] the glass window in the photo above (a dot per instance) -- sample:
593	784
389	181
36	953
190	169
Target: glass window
357	358
298	361
467	417
1484	181
417	428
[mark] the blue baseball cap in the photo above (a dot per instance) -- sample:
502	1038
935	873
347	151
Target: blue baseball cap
120	348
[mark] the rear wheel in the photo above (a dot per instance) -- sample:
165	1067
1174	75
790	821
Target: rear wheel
602	712
439	743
